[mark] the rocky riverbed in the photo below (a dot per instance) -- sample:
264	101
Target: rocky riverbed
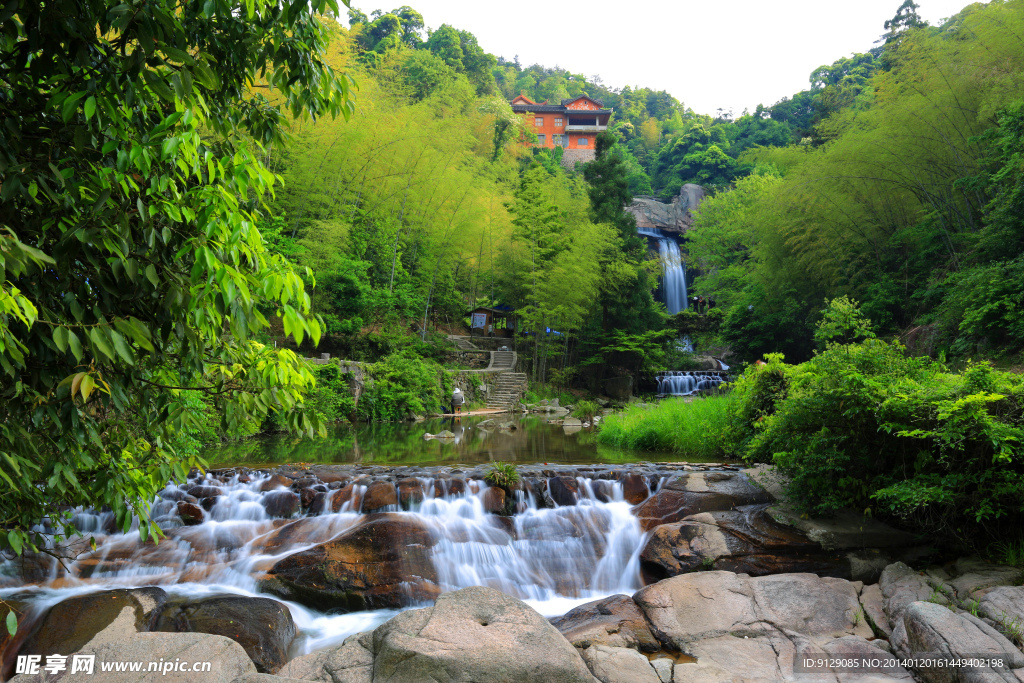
697	573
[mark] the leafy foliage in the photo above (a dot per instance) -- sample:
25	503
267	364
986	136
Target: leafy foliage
132	270
503	475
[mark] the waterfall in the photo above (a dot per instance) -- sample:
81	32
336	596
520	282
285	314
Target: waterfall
553	558
673	269
686	383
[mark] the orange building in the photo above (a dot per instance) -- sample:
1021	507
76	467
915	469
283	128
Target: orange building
573	124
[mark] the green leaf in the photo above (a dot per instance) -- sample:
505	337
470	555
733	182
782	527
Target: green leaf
122	348
75	345
206	76
14	538
12	623
158	85
151	275
90	107
60	338
87	386
100	342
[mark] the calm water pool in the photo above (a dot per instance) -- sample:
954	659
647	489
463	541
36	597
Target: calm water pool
534	440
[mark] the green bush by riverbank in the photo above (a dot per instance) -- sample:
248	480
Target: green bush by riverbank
694	428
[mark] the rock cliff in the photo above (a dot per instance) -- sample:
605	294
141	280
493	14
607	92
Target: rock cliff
674	217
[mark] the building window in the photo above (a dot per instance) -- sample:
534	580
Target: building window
539	120
558	122
560	140
582	142
540	140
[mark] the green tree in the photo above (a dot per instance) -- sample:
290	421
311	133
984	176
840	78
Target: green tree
132	270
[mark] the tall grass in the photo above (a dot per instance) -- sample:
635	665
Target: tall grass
695	429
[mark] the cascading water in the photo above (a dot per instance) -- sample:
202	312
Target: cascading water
554	558
687	383
673	269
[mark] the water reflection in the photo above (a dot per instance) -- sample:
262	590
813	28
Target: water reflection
477	439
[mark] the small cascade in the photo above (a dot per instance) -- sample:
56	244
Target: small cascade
688	382
673	269
223	533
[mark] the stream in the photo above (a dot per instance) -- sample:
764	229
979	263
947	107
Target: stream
554	558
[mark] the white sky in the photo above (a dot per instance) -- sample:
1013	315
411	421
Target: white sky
708	54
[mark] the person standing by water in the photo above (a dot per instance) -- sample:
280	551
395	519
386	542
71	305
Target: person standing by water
458	398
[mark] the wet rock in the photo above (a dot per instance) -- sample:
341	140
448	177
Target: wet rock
350	662
564	490
695	492
208	503
263	627
474	634
384	561
615	621
746	540
634	488
930	628
306	496
494	500
190	514
619	665
410	492
200	492
70	624
379	494
276	481
344	495
844	530
172	494
305	483
281	503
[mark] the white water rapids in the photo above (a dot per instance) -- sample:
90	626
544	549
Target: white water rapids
552	558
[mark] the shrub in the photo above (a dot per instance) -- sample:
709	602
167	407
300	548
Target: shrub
402	383
585	410
864	426
502	474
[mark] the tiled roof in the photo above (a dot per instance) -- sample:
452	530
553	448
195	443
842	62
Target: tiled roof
537	107
557	109
573	99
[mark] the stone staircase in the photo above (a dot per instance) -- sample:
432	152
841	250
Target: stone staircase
502	360
463	343
508	390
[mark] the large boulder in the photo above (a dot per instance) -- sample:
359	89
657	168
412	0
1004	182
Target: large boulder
1004	605
380	495
973	577
281	503
384	561
564	490
474	634
619	665
676	216
615	621
703	605
927	628
900	586
350	662
226	659
746	540
694	492
263	627
69	625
